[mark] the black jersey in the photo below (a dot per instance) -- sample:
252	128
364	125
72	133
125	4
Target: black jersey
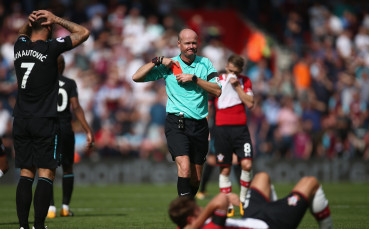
67	90
36	68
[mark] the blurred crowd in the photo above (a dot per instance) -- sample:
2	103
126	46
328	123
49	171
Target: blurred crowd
315	106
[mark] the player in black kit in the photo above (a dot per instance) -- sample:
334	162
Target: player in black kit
35	127
68	98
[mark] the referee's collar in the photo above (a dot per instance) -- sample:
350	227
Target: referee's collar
192	65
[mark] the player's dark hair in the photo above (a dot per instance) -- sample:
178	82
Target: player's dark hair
37	24
180	209
237	61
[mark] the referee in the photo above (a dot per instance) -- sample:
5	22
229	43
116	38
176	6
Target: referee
35	124
189	78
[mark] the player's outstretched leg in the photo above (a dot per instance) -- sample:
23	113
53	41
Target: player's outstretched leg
310	187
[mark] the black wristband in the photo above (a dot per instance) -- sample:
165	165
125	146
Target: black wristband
161	59
156	61
194	79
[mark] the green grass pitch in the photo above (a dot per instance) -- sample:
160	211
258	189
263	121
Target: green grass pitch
145	206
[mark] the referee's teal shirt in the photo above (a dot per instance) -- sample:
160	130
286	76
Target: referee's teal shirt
188	98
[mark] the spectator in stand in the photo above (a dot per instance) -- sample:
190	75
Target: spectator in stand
287	128
216	52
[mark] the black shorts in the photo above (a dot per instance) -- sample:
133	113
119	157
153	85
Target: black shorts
191	141
36	142
232	139
284	213
67	142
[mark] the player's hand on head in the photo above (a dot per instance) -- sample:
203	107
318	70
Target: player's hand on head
32	17
50	17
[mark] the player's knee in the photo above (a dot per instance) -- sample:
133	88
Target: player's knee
225	170
246	165
48	173
262	176
311	181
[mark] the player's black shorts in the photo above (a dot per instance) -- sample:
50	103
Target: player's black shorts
191	141
67	142
284	213
36	142
231	139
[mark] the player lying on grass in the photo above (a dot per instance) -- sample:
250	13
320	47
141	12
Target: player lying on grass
261	211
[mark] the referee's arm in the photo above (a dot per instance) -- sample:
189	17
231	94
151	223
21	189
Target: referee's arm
141	73
211	88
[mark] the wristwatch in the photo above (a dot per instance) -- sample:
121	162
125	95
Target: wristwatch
194	79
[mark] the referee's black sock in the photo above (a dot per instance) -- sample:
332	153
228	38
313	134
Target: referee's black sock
24	200
42	200
68	181
184	186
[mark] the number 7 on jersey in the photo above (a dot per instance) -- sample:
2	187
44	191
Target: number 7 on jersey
29	67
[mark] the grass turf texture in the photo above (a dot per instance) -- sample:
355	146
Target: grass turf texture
145	206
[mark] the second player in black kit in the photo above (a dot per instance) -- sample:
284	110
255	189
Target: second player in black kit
35	127
67	99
